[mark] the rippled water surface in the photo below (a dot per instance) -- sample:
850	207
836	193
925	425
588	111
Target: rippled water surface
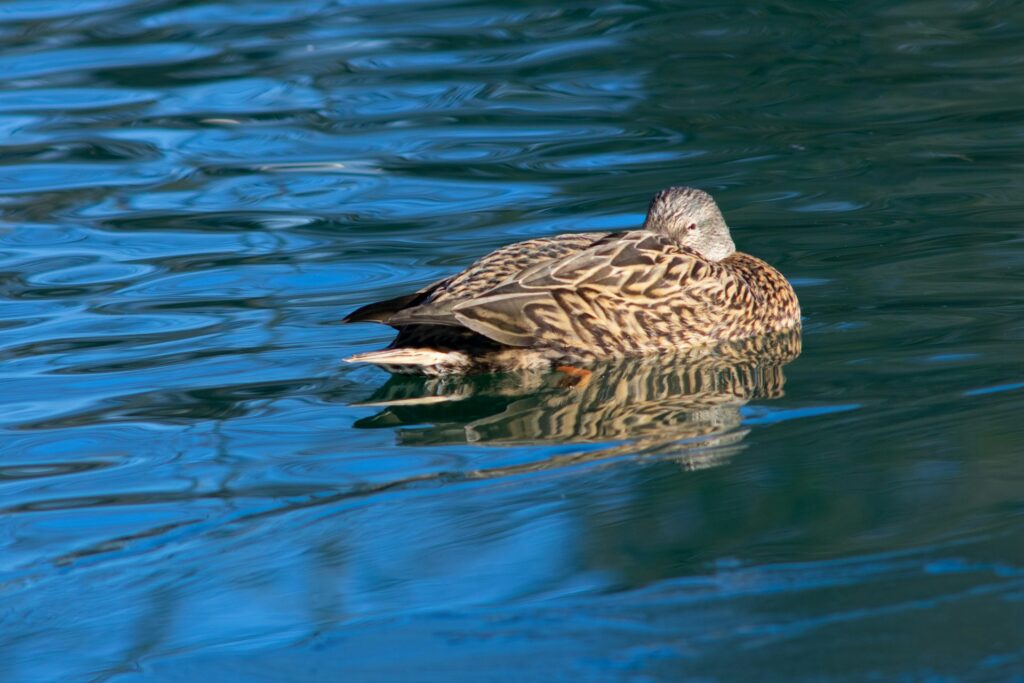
195	487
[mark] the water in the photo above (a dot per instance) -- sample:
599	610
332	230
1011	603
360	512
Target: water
194	486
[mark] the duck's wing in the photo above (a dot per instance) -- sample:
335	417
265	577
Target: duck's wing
381	311
433	304
639	292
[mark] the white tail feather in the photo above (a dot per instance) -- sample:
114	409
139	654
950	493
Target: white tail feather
411	356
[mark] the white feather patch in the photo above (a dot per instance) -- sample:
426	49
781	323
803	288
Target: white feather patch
411	356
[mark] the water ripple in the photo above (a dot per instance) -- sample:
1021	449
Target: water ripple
33	10
33	178
73	99
85	59
193	194
237	96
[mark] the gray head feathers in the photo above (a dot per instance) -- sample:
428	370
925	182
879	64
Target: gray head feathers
691	217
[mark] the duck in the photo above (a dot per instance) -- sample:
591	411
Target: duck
563	302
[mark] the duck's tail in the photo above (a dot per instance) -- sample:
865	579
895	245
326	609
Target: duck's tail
413	360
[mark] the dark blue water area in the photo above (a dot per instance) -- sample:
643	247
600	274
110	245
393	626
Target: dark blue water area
195	486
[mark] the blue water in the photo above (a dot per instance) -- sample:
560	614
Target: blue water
195	487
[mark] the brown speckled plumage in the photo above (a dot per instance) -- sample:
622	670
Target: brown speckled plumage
582	297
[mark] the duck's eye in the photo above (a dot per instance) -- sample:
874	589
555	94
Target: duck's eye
691	227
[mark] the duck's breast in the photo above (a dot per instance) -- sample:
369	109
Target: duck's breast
767	304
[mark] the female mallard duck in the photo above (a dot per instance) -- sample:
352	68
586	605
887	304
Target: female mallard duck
675	284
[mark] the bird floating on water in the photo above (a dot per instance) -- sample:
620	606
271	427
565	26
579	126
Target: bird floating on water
675	284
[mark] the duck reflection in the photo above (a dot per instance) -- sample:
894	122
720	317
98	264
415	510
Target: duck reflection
686	402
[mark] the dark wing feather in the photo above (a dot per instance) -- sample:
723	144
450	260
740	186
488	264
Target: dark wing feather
638	293
381	311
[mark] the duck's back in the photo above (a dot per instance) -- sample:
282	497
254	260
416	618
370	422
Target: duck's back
509	261
627	293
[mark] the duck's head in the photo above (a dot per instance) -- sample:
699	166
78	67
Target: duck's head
691	217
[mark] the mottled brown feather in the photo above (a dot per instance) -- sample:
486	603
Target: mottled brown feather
503	264
636	294
582	297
